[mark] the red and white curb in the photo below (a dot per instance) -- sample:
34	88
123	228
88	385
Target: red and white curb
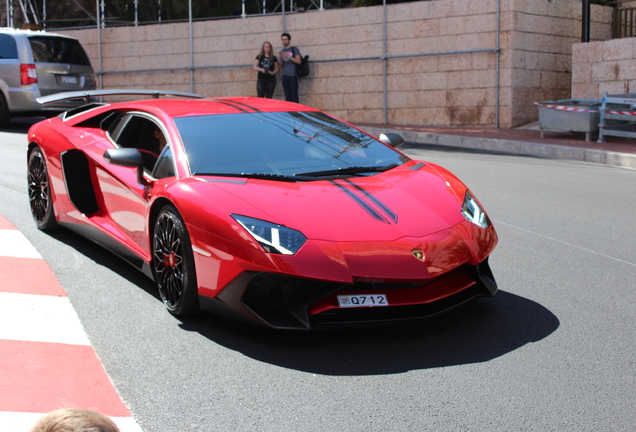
46	359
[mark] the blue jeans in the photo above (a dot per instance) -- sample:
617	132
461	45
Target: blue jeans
290	87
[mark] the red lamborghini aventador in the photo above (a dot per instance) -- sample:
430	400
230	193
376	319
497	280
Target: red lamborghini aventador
270	211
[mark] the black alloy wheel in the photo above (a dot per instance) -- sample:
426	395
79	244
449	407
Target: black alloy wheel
173	263
40	196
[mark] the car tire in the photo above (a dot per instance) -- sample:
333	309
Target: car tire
5	116
40	194
173	263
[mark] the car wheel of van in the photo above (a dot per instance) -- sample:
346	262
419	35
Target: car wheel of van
173	263
40	196
5	117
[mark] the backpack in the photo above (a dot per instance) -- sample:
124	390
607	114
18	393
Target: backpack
302	69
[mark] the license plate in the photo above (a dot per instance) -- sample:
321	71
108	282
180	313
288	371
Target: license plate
362	300
69	79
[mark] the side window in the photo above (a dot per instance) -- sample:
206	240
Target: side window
8	47
136	131
110	121
165	165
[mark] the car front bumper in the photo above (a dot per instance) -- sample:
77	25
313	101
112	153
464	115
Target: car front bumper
287	302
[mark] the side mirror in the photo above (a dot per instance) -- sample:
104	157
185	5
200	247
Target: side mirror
126	157
392	139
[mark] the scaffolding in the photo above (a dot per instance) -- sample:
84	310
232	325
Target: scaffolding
618	116
29	13
81	14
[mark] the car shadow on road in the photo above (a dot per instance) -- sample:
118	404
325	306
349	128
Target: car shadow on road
21	124
478	331
105	258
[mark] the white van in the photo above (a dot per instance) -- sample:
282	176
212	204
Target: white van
35	64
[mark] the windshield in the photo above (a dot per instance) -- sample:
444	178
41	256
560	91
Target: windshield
282	144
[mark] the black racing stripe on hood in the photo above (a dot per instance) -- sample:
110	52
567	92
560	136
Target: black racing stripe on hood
390	213
365	205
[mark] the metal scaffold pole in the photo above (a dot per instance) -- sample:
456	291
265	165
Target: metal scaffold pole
99	44
9	17
191	46
385	101
283	13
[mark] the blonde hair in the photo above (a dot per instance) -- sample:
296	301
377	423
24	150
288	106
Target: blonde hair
271	51
74	420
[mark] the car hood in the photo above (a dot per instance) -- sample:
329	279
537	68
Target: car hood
398	203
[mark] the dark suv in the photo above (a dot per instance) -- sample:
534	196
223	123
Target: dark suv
34	64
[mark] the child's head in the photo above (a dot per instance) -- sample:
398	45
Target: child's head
74	420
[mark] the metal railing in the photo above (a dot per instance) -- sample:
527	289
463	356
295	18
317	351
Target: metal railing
624	23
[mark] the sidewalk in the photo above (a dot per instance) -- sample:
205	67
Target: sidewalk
46	359
527	141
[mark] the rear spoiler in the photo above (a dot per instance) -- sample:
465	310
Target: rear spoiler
88	94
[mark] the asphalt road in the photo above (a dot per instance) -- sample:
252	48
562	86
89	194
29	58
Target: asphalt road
554	350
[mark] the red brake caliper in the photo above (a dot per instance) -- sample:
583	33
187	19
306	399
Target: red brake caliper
171	260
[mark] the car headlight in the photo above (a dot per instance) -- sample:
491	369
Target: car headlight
473	212
273	237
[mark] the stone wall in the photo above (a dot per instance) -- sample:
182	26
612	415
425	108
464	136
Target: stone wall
604	66
599	67
543	33
432	76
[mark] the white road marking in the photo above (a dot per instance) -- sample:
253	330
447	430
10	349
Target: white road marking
566	243
38	318
14	244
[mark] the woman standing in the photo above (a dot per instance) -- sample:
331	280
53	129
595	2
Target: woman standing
266	64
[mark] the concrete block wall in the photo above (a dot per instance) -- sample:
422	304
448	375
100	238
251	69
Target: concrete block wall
604	66
618	63
346	49
445	89
542	33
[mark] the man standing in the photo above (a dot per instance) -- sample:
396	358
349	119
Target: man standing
289	57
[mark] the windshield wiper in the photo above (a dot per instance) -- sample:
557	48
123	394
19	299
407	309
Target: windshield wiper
347	171
280	177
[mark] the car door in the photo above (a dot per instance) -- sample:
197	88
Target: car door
125	201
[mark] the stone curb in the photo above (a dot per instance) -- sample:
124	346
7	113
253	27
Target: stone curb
525	148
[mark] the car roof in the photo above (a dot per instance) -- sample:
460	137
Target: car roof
28	33
196	107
